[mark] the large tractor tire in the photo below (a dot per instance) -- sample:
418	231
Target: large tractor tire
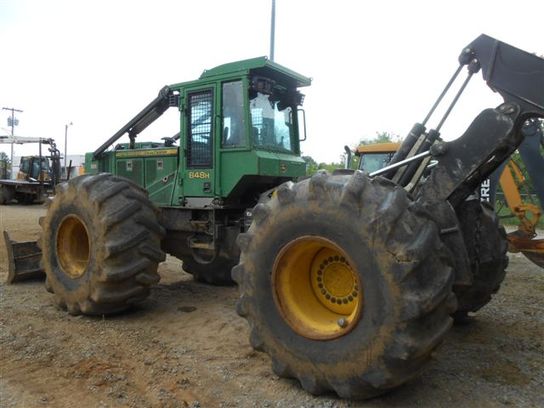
215	270
101	244
345	283
486	244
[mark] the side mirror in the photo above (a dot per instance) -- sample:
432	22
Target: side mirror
301	114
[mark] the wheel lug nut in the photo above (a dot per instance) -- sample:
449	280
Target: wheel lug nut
342	322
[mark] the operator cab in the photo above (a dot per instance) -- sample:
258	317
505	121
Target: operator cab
375	156
34	168
238	136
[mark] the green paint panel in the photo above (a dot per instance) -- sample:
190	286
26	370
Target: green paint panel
198	183
277	164
160	177
105	164
132	169
258	112
235	165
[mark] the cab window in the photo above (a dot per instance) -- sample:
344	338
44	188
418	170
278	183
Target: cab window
271	123
200	131
234	127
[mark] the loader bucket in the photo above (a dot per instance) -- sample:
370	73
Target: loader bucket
23	260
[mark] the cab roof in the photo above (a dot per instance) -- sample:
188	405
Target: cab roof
389	147
260	66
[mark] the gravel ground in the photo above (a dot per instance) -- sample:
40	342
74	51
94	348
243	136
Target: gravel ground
186	347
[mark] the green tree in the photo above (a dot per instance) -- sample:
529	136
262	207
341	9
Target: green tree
330	167
381	137
312	166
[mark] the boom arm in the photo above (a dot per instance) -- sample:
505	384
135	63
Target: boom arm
148	115
495	134
24	139
516	74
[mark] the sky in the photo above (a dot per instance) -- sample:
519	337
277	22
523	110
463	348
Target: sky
376	65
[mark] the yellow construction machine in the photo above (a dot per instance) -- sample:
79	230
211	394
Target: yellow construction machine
523	239
37	176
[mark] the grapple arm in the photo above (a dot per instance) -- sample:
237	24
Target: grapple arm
496	133
516	74
148	115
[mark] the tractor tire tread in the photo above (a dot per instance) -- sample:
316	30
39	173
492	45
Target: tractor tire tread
488	263
119	274
422	271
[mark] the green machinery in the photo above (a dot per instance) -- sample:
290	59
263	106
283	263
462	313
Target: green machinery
240	127
238	137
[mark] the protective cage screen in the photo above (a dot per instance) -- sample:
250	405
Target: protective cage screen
200	142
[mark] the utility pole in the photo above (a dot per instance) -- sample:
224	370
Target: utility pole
12	121
272	29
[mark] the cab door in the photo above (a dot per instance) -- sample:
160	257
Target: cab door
199	129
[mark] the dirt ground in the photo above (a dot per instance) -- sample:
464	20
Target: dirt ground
186	347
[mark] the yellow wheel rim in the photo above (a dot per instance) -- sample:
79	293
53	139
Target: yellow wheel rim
73	246
317	290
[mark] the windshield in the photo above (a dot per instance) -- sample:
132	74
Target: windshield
45	164
371	162
271	126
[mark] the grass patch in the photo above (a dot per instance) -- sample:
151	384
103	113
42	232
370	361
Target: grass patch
506	216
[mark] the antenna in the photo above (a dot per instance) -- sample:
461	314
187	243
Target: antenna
272	29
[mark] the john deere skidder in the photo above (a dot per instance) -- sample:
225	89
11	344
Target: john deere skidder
238	137
347	281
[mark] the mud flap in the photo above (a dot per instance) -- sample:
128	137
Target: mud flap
23	260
